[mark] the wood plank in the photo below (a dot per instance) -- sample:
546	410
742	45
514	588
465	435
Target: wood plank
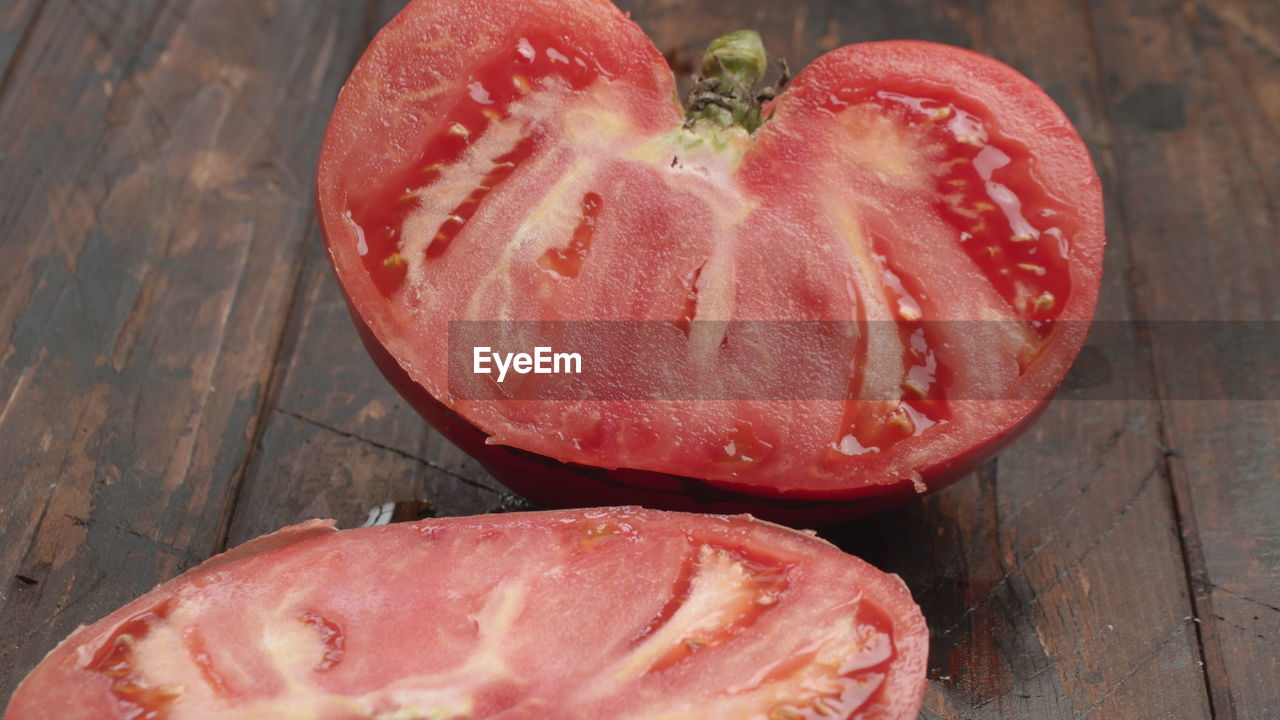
1193	91
157	208
39	94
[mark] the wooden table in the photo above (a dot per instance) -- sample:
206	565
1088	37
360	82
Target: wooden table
178	372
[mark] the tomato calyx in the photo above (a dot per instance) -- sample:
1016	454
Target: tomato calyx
725	94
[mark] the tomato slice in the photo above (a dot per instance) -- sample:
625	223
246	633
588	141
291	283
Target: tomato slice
618	613
530	164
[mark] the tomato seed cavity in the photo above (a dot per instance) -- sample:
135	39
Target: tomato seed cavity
331	635
1013	231
114	659
567	262
381	213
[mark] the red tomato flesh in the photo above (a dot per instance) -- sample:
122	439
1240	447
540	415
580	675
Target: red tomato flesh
617	613
530	163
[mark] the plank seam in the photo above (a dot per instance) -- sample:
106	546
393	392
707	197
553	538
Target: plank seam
1242	596
1143	661
267	401
394	450
258	424
1020	565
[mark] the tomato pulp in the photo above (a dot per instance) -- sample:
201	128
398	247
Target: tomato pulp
613	613
529	166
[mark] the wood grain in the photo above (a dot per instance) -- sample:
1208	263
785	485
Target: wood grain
157	189
178	372
16	18
1193	103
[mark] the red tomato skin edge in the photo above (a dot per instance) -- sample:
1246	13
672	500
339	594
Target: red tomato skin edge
552	484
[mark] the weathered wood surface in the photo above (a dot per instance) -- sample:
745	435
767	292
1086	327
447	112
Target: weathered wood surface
1197	99
156	199
178	373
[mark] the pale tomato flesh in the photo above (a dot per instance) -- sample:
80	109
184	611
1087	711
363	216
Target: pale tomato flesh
617	613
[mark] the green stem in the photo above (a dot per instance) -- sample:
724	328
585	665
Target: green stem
725	93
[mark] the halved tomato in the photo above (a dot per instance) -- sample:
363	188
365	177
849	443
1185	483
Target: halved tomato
619	613
526	166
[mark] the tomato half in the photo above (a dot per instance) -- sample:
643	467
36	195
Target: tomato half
618	613
529	163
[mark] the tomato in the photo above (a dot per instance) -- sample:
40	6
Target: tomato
527	164
613	613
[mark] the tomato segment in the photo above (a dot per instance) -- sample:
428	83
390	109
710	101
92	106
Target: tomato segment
933	201
491	90
620	613
987	192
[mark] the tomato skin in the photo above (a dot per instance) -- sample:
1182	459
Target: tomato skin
556	476
468	614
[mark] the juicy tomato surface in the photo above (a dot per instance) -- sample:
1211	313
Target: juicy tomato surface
616	613
529	162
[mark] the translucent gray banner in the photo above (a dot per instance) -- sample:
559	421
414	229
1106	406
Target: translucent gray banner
784	360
